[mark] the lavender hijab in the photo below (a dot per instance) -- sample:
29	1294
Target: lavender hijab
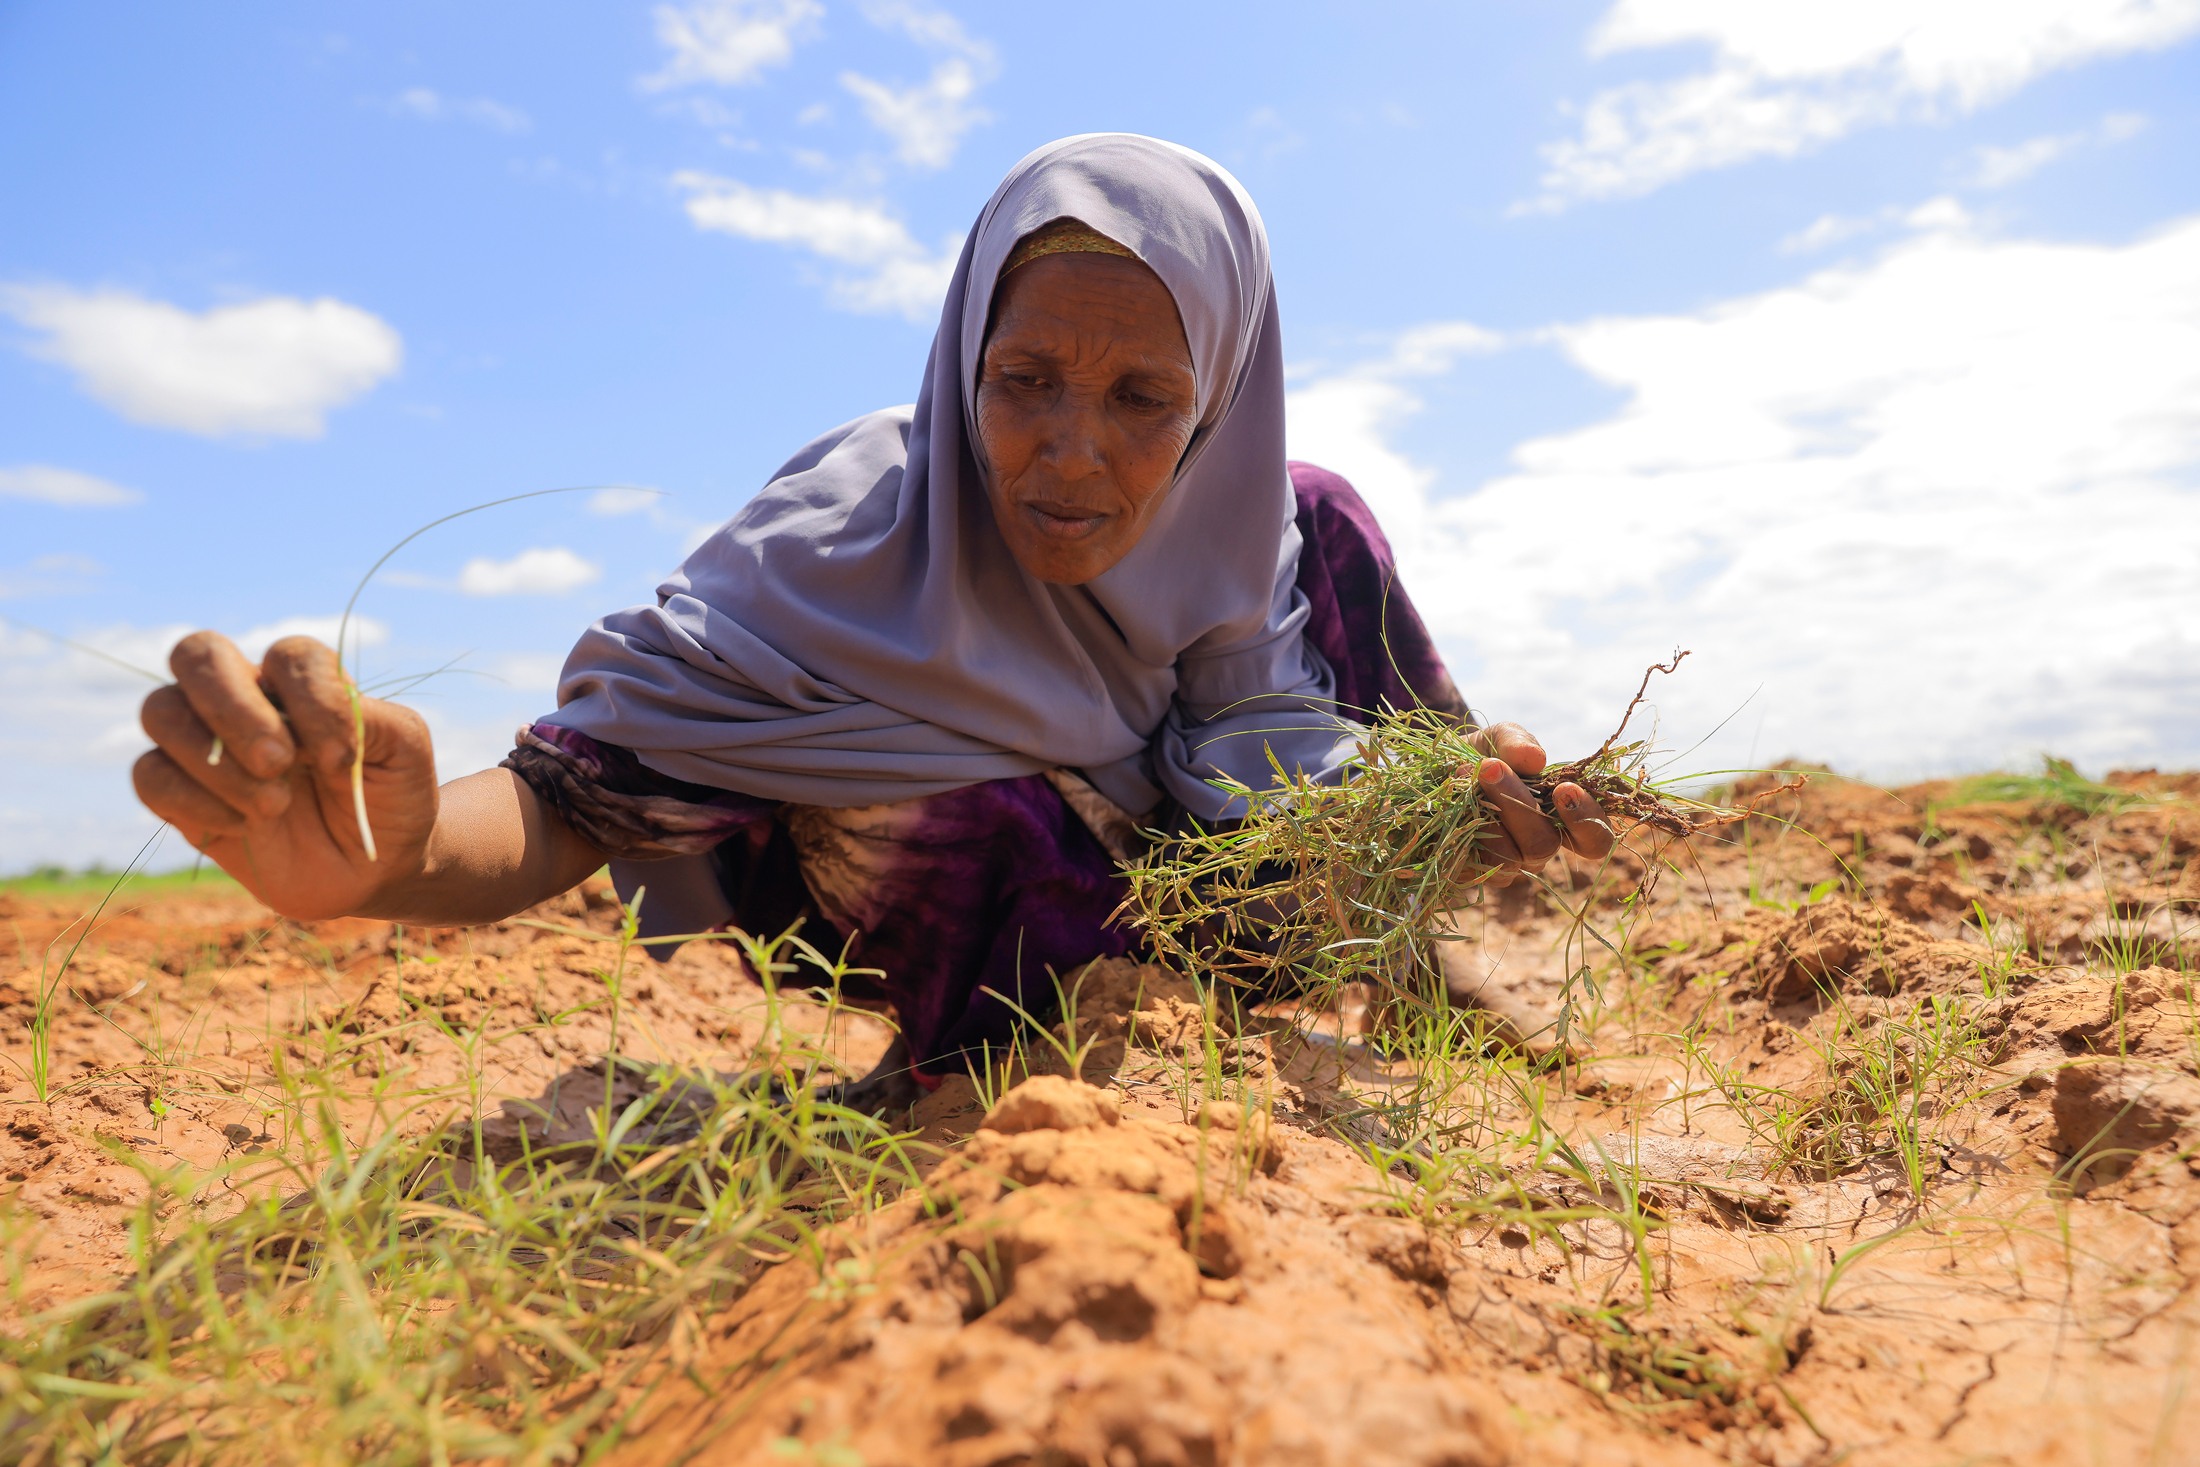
859	632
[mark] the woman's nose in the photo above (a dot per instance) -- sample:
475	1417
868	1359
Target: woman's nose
1074	441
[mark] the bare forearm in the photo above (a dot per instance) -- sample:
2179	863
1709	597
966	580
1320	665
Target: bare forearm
496	849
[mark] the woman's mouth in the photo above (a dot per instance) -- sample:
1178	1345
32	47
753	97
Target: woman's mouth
1064	521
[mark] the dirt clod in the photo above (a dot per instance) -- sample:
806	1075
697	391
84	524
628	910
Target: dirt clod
2107	1111
1056	1313
1053	1102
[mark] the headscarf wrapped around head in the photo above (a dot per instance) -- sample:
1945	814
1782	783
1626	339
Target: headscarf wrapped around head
859	633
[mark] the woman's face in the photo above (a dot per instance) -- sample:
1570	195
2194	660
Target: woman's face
1086	402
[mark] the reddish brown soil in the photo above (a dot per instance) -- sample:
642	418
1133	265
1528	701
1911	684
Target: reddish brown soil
1118	1273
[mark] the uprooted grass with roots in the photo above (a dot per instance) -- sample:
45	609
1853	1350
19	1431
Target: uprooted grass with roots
1869	1142
1328	884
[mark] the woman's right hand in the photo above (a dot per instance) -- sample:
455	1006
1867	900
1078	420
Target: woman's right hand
275	810
1525	838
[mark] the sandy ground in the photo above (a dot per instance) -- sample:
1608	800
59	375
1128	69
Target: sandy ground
1113	1270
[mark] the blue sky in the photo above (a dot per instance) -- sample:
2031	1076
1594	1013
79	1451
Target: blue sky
1856	346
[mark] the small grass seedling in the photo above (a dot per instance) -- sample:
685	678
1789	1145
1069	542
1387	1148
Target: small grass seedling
52	978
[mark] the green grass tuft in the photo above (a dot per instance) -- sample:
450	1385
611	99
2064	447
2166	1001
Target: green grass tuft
409	1286
2058	786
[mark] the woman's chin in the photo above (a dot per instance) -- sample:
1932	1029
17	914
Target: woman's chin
1066	565
1066	551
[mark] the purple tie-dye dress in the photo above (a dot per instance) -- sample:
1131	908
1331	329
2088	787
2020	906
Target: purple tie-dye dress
987	889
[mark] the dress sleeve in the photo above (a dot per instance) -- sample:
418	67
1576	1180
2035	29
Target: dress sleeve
625	809
1265	702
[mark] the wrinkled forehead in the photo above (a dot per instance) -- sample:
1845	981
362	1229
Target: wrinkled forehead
1181	214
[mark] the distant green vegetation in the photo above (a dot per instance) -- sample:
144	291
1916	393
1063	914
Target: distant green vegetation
93	881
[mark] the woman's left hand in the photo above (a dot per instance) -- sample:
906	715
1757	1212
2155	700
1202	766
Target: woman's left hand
1526	838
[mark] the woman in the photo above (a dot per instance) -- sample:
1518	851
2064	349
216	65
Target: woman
928	685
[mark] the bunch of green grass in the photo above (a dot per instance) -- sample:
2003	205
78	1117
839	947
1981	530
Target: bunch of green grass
1888	1086
408	1290
1469	1146
2058	786
1350	881
1666	1368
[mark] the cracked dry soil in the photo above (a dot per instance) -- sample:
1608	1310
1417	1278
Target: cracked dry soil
1117	1270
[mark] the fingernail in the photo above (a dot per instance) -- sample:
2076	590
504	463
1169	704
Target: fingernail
273	798
268	752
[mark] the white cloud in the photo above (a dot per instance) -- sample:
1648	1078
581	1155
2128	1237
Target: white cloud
619	499
2001	167
1786	78
56	574
431	106
1831	229
629	499
1939	507
1827	230
1268	135
886	270
934	28
911	287
68	739
529	672
543	571
273	367
729	42
925	121
49	485
1347	418
364	631
2120	127
838	229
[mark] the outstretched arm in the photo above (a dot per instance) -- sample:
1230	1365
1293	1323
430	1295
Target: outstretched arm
497	848
275	806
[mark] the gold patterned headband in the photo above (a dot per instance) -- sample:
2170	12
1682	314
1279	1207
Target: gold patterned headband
1063	237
